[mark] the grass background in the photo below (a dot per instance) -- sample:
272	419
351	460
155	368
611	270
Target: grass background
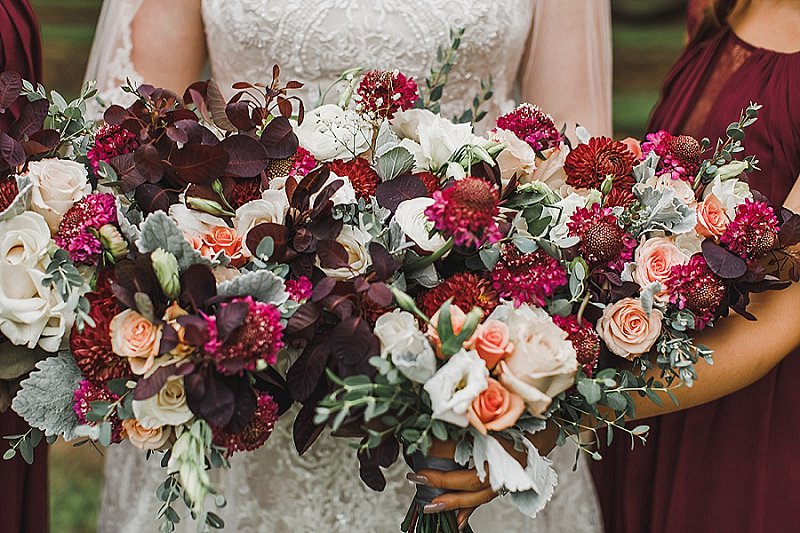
643	52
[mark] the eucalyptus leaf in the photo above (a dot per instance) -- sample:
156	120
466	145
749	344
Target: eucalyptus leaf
22	200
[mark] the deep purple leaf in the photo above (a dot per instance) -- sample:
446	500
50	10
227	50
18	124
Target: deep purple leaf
209	397
196	133
177	135
790	228
247	156
351	341
305	373
148	163
195	329
306	316
115	115
216	107
304	241
198	286
273	383
239	115
169	340
723	263
151	198
380	294
312	183
197	163
245	404
10	88
322	203
304	431
332	254
383	264
391	193
47	138
278	234
279	139
322	289
150	386
325	228
11	151
230	317
31	119
369	471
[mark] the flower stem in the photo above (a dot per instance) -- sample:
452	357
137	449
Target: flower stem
422	262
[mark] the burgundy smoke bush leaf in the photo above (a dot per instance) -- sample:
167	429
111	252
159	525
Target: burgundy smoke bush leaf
305	373
10	88
178	115
304	240
198	286
239	115
304	431
195	329
790	228
11	151
125	166
248	157
306	316
322	289
332	254
351	341
273	383
216	107
230	317
323	203
49	139
369	471
278	234
196	133
150	386
723	263
177	135
31	119
360	284
487	172
311	184
209	397
326	229
169	340
148	163
199	164
383	264
391	193
279	139
285	107
380	294
115	115
245	403
151	198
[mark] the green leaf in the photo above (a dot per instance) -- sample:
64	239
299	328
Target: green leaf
215	521
590	390
393	163
10	454
160	231
616	400
489	256
262	285
265	248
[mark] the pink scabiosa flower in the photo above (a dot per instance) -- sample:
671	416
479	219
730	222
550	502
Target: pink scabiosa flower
583	338
527	278
382	93
466	211
680	154
467	290
78	230
260	337
695	287
299	289
84	395
110	142
254	434
532	125
604	242
754	230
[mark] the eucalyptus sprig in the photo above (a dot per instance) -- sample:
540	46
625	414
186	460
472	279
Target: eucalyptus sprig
435	83
67	118
69	283
475	113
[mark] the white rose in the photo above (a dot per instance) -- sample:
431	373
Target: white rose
330	132
406	123
355	242
57	185
193	223
406	346
271	207
730	193
411	218
517	158
434	140
31	312
346	194
551	170
543	363
683	191
167	408
454	387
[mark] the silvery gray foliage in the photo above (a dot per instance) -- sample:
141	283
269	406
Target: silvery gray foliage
647	168
648	296
46	397
428	277
21	202
387	139
393	163
663	210
262	285
129	221
160	231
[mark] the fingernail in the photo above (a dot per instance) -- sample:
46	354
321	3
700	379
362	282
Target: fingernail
432	508
416	478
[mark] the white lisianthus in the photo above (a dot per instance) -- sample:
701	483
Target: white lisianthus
355	242
543	363
57	185
731	170
431	139
410	216
454	387
167	408
346	194
517	158
406	346
561	212
330	132
31	312
730	194
271	207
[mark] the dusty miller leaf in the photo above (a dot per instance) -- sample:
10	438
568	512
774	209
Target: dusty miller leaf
395	162
45	399
20	203
664	211
160	231
262	285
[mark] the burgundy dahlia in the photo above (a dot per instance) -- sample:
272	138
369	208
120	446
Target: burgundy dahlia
431	181
362	176
243	190
110	142
84	395
532	125
695	287
75	234
588	165
8	192
381	93
259	338
527	278
619	196
583	338
467	290
466	211
754	230
603	242
256	433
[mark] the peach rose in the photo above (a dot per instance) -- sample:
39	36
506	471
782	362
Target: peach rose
492	341
135	337
654	261
634	146
146	438
495	409
226	240
457	319
711	217
627	329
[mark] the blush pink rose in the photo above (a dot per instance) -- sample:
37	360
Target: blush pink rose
654	260
627	329
495	409
634	146
492	341
135	337
711	217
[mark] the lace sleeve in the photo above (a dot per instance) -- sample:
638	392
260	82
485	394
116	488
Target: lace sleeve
567	68
111	61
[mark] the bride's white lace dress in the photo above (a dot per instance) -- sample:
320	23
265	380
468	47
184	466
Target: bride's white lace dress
274	490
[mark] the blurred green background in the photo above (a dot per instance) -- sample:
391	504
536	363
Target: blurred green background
648	36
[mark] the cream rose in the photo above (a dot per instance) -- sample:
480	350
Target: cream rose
517	158
408	349
430	138
411	218
57	185
167	408
31	312
543	363
146	438
627	329
654	259
355	242
455	386
683	191
730	193
550	171
330	132
271	207
135	337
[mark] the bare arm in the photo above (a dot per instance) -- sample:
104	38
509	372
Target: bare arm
169	46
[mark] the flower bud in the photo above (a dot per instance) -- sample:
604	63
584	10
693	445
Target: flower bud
403	300
732	169
606	186
113	241
165	266
207	206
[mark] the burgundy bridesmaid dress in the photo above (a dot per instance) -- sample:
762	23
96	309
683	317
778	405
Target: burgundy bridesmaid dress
23	499
732	465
